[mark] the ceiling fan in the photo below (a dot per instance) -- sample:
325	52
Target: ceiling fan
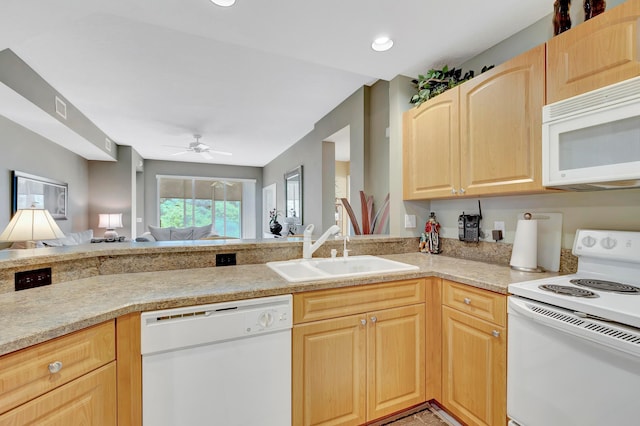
200	148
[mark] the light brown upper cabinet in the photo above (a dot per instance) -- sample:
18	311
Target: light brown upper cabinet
594	54
431	151
480	138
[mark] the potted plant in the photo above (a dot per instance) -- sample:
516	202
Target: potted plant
274	226
435	82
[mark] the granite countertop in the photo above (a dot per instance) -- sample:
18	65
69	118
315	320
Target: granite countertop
36	315
25	257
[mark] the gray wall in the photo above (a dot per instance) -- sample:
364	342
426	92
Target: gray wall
310	152
376	153
618	209
153	168
20	77
113	190
319	165
29	152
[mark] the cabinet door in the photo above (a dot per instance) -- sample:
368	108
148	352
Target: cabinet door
25	374
431	149
88	400
597	53
329	382
396	360
474	369
501	127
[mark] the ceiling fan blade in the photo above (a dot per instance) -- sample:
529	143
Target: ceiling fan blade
206	155
180	153
220	152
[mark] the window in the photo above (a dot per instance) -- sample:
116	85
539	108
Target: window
199	201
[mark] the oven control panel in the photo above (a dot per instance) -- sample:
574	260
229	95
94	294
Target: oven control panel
618	245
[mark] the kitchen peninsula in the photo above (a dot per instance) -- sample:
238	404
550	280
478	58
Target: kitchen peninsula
116	282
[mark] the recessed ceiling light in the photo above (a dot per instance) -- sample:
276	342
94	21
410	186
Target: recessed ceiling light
224	3
382	44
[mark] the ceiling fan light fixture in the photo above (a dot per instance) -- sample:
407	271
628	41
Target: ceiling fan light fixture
224	3
382	44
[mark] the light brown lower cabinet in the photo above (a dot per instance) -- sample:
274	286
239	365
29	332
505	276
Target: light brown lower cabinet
68	380
356	368
474	354
88	400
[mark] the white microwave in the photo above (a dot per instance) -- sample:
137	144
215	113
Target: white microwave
592	141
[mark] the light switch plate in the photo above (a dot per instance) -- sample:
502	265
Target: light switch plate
409	220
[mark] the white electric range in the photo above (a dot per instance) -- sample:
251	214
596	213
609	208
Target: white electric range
574	340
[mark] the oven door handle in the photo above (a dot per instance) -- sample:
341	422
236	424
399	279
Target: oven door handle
623	339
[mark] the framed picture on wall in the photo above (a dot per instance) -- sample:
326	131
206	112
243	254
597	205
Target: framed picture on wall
41	193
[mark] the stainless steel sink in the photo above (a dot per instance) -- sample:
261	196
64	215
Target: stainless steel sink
327	268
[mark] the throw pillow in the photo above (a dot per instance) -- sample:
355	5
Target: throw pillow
160	234
202	231
81	237
66	241
178	234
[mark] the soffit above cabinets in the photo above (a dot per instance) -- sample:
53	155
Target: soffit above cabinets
23	112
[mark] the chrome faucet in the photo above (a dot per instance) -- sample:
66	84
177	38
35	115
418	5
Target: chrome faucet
345	251
307	247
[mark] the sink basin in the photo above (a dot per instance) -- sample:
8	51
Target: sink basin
326	268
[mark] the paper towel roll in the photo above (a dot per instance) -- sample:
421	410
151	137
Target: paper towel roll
525	245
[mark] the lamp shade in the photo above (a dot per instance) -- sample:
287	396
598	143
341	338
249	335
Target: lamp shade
31	224
110	220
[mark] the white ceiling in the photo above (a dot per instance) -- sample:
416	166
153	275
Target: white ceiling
251	79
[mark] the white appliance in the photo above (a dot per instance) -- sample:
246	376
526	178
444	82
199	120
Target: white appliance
220	364
592	141
574	340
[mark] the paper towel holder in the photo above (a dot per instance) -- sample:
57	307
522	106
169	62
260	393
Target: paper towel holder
518	253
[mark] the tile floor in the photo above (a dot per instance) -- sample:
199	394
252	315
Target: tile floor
421	418
426	417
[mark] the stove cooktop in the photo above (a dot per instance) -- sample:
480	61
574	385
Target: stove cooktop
603	285
607	283
560	291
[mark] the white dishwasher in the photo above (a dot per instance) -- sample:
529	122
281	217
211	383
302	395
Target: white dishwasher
220	364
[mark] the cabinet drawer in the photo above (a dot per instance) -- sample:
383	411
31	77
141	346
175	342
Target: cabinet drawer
480	303
89	400
323	304
25	374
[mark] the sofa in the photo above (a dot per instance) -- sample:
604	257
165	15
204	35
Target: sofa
156	233
70	239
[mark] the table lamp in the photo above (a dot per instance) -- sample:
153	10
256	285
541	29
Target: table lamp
31	224
110	221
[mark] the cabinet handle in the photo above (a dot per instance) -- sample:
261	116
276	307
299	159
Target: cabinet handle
495	333
363	321
453	191
467	301
55	367
374	319
462	191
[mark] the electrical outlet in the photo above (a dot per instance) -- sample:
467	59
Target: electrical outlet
32	279
498	232
409	221
225	259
